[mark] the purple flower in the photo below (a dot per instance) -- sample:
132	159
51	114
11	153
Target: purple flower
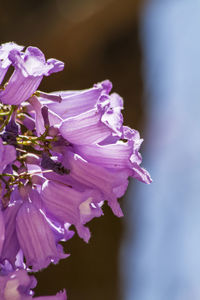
40	122
36	238
68	205
5	62
117	156
7	155
88	116
18	285
95	176
98	158
11	245
62	155
27	229
85	128
76	102
30	67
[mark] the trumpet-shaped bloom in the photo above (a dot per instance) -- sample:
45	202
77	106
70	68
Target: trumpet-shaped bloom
36	239
30	67
77	102
5	62
11	245
68	205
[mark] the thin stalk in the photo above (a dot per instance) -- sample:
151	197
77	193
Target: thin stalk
8	118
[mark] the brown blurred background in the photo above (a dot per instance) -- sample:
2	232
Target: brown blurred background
97	40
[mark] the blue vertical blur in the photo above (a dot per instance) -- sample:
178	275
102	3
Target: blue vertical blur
160	256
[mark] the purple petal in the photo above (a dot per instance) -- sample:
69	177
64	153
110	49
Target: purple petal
16	285
7	155
93	175
86	128
98	177
61	232
77	102
4	60
116	156
37	107
95	125
112	116
58	296
27	121
19	88
46	98
137	172
71	206
11	244
141	174
32	62
54	66
36	238
2	231
30	67
121	155
39	120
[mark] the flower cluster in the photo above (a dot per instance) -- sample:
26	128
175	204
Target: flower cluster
62	155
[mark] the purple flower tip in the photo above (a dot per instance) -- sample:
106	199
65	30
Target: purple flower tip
30	67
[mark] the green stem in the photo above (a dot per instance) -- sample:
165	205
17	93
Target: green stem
7	174
13	107
4	113
41	138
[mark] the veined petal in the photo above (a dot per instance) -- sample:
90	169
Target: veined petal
97	124
93	175
97	177
69	205
115	156
27	121
19	88
54	66
39	120
11	244
32	63
61	232
36	238
30	67
86	128
112	116
78	102
4	60
7	155
121	155
137	172
5	50
141	174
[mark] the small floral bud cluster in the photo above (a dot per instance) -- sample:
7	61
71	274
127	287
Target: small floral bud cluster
62	155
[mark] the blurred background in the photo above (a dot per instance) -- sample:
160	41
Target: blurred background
149	50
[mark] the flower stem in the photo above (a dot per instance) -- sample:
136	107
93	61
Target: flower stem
12	109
